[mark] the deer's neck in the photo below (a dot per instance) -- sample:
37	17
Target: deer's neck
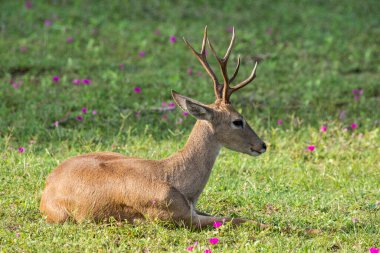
189	169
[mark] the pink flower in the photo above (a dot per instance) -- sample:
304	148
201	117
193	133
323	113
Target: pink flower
207	251
356	98
171	105
84	110
190	71
374	250
164	104
28	4
229	29
21	149
137	89
16	84
94	112
17	234
355	91
69	40
279	122
213	240
217	224
23	49
190	248
56	123
311	148
354	126
179	121
86	81
142	54
157	32
361	92
173	39
76	81
342	115
323	128
48	22
185	114
79	118
121	66
55	78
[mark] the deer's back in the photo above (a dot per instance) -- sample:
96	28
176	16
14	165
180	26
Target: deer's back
91	183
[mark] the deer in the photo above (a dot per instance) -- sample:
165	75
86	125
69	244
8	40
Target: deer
100	186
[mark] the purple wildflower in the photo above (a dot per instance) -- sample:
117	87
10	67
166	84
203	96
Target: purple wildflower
137	89
86	81
76	81
84	110
94	112
217	224
213	240
157	32
79	118
323	128
56	79
69	40
173	39
23	49
21	149
230	29
142	54
48	22
171	105
28	4
179	121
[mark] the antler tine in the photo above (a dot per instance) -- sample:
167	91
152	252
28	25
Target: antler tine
223	63
242	84
229	49
202	59
236	70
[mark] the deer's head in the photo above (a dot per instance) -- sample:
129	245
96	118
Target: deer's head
229	127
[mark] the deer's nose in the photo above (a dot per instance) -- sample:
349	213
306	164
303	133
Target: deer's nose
263	148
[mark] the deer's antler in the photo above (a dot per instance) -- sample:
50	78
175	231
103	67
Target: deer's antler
218	88
222	91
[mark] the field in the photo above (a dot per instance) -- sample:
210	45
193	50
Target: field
84	76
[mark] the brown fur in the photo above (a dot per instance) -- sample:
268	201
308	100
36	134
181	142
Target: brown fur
101	185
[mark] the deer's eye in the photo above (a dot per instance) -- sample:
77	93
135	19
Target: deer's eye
238	123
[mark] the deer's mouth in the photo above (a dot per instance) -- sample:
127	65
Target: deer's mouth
254	152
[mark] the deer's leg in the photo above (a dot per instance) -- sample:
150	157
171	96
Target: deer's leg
202	213
183	212
201	221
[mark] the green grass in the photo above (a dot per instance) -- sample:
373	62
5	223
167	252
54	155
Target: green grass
315	53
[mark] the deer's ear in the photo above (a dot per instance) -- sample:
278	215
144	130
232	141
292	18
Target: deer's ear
195	108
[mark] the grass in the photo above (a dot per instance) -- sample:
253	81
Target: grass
315	54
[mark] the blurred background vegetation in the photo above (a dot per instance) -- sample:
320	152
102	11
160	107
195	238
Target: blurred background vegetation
315	54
